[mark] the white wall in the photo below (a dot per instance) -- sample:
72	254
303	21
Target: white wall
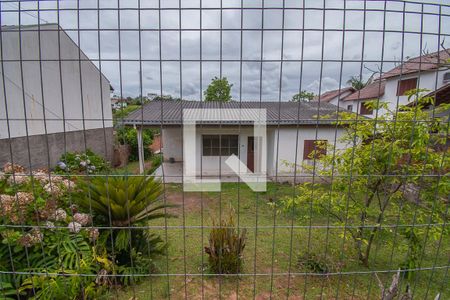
172	143
30	102
285	153
210	165
427	80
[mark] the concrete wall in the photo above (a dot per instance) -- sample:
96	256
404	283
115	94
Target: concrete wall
43	156
172	140
28	109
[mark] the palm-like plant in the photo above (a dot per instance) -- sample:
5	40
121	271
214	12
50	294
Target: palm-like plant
123	200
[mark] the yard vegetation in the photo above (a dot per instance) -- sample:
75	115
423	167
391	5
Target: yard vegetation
381	204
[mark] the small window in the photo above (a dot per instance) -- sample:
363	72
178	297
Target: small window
318	147
364	110
350	107
220	145
406	85
447	77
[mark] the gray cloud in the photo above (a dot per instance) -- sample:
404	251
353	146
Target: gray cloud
364	50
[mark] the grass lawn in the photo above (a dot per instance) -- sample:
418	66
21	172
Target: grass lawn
271	253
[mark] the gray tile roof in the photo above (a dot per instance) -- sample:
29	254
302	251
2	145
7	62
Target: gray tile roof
283	113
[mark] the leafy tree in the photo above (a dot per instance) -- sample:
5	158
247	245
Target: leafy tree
218	90
303	96
128	136
394	171
357	83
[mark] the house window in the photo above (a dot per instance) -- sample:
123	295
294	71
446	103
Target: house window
447	77
318	147
406	85
364	110
350	107
224	145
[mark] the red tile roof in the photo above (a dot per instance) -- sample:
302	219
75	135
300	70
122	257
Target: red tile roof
371	91
328	96
425	62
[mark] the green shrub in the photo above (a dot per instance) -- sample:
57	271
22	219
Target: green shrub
316	263
156	161
123	201
226	246
62	245
84	162
128	136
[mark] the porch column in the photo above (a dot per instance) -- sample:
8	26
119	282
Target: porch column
140	142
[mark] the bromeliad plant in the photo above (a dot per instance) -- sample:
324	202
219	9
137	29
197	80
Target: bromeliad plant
226	247
396	170
125	202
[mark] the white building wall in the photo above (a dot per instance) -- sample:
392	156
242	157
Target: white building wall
428	80
281	150
29	102
172	143
288	154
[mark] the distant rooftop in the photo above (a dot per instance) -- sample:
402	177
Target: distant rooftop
423	63
328	96
168	112
371	91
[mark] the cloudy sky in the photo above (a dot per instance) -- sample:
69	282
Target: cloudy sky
322	56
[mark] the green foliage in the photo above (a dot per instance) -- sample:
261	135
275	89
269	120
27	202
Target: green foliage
226	247
303	96
81	163
124	201
59	254
128	136
218	90
155	163
121	113
316	263
357	83
384	160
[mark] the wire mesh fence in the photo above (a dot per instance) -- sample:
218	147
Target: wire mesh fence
224	149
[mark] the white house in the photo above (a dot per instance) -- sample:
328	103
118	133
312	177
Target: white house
429	71
52	98
292	131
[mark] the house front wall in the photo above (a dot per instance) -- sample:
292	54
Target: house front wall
285	146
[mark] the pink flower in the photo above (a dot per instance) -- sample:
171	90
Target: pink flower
81	218
74	227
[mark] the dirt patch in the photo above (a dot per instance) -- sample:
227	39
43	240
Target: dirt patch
192	202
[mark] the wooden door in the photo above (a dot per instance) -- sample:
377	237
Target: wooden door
251	153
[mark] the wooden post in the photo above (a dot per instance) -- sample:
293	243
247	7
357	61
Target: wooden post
140	150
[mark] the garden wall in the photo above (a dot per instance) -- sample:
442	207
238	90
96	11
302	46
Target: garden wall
40	155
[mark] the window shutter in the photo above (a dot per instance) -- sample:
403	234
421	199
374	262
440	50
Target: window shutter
406	85
309	146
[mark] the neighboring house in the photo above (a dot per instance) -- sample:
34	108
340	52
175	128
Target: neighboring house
65	109
335	96
356	101
429	71
292	129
